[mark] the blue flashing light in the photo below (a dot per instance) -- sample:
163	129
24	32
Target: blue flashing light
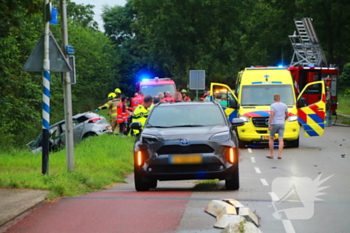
280	65
144	77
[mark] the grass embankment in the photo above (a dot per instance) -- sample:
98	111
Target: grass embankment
343	108
99	162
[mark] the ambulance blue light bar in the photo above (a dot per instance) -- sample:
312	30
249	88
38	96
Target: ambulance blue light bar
272	82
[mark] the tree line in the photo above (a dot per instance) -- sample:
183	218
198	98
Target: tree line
163	38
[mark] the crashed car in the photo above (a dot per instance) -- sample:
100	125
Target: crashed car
186	140
84	125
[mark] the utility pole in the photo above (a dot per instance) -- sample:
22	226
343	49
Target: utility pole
46	94
67	93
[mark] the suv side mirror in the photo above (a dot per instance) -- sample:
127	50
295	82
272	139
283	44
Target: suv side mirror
237	122
233	103
135	125
301	102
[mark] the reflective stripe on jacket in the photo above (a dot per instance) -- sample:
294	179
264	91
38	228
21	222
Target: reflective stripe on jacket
121	113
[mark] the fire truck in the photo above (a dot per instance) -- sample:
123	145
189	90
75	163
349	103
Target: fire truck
309	64
153	86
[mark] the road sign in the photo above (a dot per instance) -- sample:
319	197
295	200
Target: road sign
197	79
72	73
69	49
58	62
54	13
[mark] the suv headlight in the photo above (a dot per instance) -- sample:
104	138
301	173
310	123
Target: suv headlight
223	136
292	118
244	118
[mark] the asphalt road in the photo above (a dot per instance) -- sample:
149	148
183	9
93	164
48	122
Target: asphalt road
285	194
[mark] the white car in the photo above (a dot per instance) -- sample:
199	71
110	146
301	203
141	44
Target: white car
84	125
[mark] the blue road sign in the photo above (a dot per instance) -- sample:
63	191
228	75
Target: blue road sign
69	49
54	13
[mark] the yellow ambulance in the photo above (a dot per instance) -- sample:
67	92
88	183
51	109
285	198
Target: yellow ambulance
253	95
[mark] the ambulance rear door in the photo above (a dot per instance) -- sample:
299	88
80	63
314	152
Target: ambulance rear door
312	115
227	99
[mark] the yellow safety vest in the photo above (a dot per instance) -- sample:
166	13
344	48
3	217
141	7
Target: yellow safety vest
140	114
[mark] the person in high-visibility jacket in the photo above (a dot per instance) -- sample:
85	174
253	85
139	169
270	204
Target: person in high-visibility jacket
122	115
141	113
111	105
184	95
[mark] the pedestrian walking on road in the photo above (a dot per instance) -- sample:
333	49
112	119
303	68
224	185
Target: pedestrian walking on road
278	115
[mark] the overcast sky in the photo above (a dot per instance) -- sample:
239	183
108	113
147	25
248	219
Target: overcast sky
98	7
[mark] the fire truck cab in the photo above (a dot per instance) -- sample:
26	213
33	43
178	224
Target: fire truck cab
153	86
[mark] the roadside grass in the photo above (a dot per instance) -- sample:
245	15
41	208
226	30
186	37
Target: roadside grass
99	162
343	104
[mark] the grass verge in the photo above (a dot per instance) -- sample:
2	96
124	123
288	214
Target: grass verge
343	104
99	162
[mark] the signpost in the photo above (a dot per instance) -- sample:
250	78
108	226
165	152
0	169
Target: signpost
46	57
197	80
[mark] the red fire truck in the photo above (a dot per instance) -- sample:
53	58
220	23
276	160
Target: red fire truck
304	75
153	86
309	64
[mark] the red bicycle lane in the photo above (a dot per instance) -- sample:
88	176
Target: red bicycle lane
108	211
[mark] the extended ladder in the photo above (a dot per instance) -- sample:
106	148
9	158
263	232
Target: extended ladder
307	49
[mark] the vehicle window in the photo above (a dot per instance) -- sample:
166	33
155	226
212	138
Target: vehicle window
313	93
80	119
153	90
314	89
253	95
174	115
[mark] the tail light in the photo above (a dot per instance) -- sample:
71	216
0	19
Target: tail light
231	155
93	120
139	158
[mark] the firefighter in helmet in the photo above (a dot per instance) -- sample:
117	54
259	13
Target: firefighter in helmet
184	95
141	113
111	105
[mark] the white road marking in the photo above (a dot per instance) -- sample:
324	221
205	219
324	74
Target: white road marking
252	159
264	182
288	226
257	170
250	150
274	197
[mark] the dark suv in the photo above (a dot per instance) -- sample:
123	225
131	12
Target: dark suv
186	140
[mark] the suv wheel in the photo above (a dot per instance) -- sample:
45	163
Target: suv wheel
232	183
140	185
153	184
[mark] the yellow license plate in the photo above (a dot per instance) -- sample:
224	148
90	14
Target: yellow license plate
186	159
267	137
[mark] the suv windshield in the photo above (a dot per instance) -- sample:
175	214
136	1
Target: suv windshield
253	95
174	115
153	90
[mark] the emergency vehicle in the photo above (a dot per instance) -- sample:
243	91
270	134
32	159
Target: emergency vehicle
253	95
309	64
153	86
